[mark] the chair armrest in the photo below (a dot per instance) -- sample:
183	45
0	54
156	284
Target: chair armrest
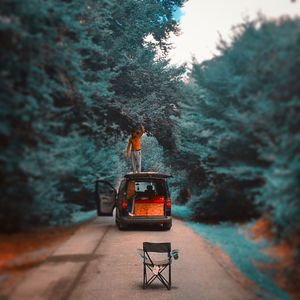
141	253
174	253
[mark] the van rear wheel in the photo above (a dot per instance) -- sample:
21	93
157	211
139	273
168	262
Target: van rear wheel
118	221
167	226
121	226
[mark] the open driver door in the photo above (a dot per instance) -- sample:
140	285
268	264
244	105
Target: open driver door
105	196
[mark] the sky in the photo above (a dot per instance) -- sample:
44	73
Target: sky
202	20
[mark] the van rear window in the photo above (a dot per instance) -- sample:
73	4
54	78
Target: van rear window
146	189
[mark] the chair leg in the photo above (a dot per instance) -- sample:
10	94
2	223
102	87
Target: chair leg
159	276
145	277
163	280
170	276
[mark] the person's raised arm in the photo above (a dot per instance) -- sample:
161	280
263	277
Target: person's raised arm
128	148
142	131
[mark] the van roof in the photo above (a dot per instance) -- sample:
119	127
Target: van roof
146	175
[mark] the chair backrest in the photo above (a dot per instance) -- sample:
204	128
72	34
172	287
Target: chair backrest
157	247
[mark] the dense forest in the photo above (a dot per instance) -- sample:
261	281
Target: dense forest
77	79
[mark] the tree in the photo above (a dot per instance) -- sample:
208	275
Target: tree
66	68
239	124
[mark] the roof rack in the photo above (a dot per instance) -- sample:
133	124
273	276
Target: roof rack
147	175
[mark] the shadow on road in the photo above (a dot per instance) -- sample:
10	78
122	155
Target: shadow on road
73	258
154	286
143	228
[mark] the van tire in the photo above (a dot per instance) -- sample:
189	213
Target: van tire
167	226
121	226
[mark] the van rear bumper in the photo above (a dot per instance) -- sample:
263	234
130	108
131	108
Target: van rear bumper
146	220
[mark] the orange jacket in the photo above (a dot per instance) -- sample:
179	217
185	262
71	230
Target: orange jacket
135	141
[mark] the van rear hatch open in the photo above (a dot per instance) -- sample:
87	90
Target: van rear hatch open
146	197
149	207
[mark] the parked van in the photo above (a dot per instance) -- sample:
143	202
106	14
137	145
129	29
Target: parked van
141	198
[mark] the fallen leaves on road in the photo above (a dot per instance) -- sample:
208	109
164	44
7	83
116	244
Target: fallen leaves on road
286	268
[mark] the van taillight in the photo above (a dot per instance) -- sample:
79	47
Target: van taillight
169	203
124	204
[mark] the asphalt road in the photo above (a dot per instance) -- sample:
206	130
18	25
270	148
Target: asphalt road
100	262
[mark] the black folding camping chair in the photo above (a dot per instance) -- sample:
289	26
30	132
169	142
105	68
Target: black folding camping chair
157	266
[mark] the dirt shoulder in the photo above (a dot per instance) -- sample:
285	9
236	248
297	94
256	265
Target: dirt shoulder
284	268
22	251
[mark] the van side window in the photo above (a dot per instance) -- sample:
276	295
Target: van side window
130	189
122	189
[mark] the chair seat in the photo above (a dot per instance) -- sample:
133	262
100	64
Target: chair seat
164	262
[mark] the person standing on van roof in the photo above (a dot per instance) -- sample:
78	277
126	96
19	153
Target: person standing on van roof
135	143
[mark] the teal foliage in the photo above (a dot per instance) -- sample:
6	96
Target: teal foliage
153	156
71	74
182	212
239	140
239	126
